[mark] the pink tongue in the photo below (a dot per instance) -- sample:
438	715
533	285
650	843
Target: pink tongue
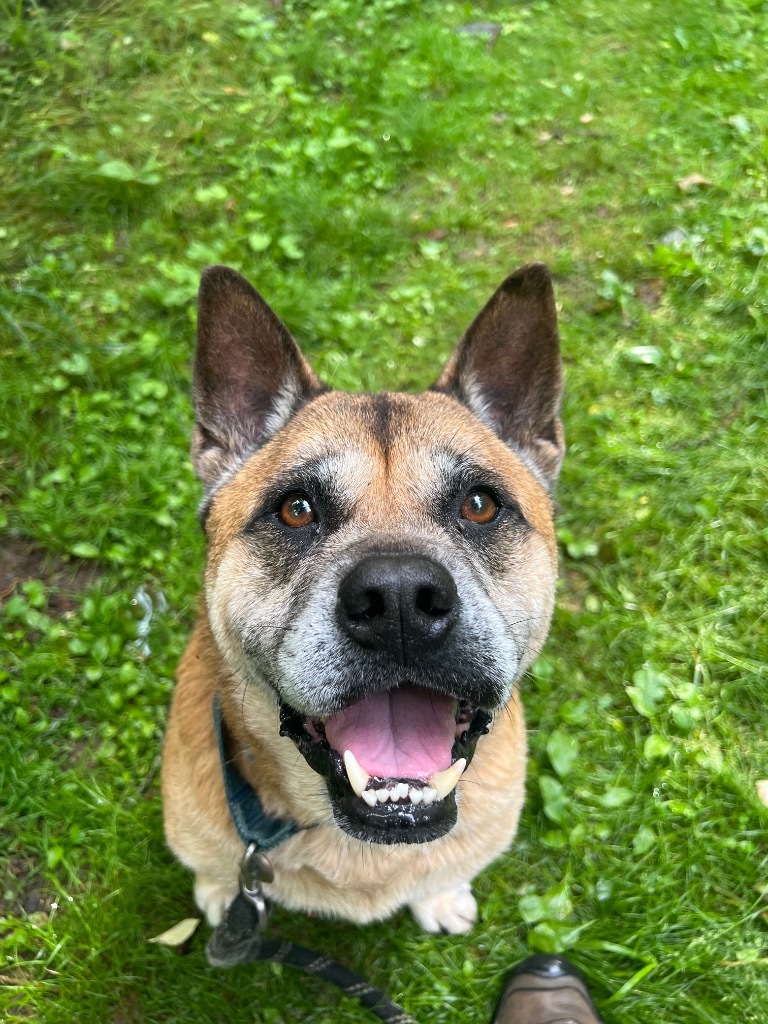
405	733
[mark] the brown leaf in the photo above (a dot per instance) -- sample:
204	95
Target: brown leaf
692	181
511	223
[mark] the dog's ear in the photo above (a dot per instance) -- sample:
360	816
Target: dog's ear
506	369
249	376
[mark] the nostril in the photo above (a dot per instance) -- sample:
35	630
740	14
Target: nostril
430	602
370	605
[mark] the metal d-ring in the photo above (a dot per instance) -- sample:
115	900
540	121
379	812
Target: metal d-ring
255	869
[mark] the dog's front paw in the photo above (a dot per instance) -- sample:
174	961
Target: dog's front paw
214	896
453	911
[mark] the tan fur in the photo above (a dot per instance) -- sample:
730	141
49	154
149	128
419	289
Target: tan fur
323	869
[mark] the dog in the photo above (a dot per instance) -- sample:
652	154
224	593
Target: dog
380	574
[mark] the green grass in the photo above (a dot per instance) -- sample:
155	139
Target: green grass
376	173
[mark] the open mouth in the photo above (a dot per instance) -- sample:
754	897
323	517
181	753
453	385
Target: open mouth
391	761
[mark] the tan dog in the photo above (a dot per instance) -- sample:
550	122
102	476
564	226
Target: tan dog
381	572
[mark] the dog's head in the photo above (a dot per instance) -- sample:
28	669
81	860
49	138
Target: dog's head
383	566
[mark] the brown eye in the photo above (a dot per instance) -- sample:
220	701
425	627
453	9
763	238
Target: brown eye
297	511
479	507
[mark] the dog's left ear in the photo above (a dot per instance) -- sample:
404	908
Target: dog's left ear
506	369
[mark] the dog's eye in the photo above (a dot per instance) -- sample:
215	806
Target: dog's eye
479	507
297	511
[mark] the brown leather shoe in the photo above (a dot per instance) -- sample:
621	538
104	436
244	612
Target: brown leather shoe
546	990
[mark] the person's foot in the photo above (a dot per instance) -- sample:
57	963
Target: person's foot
546	990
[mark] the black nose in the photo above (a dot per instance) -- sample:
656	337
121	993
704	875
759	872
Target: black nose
400	604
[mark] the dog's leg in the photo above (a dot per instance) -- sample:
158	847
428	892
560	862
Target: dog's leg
453	911
198	824
213	896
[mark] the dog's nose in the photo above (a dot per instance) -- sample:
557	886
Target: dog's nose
400	604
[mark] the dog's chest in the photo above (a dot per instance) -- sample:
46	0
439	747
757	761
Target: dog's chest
326	872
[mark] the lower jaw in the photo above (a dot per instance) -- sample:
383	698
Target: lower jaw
388	824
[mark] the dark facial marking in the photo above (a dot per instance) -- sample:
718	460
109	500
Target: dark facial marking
331	508
380	409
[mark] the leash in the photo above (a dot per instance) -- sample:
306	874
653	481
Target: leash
239	938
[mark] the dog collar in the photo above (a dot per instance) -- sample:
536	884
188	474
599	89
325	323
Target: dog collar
253	824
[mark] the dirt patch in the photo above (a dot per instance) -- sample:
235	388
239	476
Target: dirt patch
573	590
22	560
23	891
650	291
128	1010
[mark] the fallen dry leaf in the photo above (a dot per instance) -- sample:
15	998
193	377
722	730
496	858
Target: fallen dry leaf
762	791
692	181
511	223
587	118
179	933
567	190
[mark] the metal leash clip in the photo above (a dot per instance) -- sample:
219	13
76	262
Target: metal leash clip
255	869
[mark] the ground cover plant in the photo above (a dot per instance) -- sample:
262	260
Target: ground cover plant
376	168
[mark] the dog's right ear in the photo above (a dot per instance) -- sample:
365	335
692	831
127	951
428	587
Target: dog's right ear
249	376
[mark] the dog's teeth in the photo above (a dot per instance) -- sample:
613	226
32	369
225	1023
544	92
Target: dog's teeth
369	795
382	795
358	777
415	795
429	795
445	781
402	790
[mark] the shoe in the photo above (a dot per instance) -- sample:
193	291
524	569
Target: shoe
546	990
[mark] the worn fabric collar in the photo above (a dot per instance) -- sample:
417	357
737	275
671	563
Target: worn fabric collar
252	822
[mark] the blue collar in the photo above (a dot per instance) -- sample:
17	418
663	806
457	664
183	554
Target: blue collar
252	822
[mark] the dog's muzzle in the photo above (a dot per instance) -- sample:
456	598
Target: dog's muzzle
392	758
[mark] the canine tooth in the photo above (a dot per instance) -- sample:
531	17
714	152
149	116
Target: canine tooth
402	790
369	795
429	795
445	781
382	795
415	795
358	777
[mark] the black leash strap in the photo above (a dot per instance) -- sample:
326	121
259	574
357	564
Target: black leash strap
238	940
